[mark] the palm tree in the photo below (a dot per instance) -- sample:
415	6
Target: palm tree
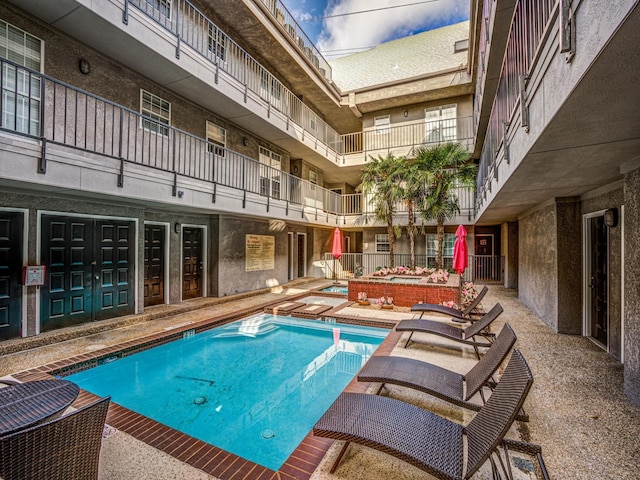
380	181
412	189
444	167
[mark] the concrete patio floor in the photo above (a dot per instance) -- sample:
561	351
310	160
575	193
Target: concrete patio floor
587	428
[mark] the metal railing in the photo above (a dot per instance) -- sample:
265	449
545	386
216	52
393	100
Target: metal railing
413	135
192	28
531	20
482	268
361	204
53	112
282	15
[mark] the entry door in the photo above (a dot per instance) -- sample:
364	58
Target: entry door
11	228
90	270
154	263
598	281
302	260
484	267
192	262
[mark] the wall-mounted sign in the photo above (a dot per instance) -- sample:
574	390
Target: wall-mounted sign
33	275
260	252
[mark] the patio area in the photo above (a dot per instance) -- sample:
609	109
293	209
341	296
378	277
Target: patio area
587	428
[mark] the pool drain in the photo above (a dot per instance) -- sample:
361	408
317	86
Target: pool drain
199	400
267	434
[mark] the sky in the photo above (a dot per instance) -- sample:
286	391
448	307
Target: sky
370	22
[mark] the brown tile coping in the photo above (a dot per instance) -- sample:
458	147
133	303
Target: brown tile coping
208	458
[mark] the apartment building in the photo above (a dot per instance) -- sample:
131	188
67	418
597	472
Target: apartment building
154	151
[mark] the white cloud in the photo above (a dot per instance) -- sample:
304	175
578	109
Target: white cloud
341	33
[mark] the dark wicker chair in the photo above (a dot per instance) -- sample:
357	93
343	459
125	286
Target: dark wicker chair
438	381
458	315
67	448
465	335
430	442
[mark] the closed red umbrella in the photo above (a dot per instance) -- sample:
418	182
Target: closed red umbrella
460	256
460	251
336	250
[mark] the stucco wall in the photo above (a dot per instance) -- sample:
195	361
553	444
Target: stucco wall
537	272
632	286
614	198
231	253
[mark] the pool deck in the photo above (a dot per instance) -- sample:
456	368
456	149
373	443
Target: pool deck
587	428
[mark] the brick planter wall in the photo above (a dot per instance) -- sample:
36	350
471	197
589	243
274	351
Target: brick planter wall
405	294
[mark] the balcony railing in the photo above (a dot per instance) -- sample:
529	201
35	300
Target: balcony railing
531	22
282	15
358	204
408	137
192	28
38	106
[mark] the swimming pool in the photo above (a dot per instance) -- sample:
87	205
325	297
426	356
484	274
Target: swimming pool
336	289
237	386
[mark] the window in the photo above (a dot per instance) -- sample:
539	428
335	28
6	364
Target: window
432	244
313	177
217	42
382	243
20	88
270	89
160	7
381	124
441	124
461	45
158	112
217	138
270	172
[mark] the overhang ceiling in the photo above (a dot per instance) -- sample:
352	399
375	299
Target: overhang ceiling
594	133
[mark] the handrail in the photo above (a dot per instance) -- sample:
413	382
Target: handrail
281	14
411	135
531	20
196	30
41	107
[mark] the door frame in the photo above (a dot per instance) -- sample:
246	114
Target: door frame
136	251
167	241
586	275
25	261
205	257
304	253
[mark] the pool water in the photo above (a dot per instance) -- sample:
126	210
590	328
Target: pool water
254	387
404	279
336	289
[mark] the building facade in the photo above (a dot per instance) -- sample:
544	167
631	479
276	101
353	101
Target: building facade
155	151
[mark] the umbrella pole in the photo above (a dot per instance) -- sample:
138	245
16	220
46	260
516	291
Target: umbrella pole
460	292
335	274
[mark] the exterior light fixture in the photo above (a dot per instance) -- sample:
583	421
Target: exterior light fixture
176	228
611	217
84	66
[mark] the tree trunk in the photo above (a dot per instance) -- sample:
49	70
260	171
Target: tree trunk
391	241
411	231
440	258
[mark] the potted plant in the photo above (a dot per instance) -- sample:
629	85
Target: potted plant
362	298
386	303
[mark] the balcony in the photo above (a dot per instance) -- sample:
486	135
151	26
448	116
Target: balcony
299	38
356	148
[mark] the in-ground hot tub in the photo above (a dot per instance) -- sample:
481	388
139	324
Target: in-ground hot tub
405	290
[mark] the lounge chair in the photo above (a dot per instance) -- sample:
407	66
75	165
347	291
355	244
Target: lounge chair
428	441
61	449
465	335
458	315
440	382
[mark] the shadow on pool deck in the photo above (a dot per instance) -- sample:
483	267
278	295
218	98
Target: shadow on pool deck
587	428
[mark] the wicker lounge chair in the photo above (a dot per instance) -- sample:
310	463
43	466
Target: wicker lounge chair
428	441
458	315
438	381
465	335
61	449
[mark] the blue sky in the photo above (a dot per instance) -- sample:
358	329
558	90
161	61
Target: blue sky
378	21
